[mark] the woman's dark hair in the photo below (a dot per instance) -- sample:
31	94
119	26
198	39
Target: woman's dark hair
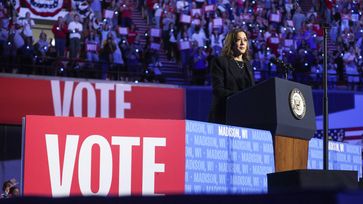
229	43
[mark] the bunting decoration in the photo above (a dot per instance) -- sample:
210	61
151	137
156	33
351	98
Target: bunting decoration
44	8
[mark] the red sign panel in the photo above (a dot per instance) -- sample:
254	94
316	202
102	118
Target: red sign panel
68	156
22	96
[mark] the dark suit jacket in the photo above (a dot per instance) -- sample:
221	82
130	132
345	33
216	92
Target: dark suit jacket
224	84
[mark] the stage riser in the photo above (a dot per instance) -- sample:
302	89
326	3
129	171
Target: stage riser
197	157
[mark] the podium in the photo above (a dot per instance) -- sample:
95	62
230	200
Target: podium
283	107
286	109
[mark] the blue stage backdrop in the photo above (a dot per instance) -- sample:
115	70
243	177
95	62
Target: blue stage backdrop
226	159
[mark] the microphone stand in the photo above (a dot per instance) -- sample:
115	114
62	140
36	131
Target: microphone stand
325	100
286	71
284	67
287	68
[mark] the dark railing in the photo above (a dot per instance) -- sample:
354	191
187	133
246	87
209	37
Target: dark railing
348	82
65	67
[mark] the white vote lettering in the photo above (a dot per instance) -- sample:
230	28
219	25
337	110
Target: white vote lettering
61	177
74	94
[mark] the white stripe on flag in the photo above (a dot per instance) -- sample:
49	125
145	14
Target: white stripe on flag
353	133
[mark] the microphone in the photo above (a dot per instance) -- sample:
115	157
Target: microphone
282	64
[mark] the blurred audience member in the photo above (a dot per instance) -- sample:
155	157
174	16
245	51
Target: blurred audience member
59	30
75	29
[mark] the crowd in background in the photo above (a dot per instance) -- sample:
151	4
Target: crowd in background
276	28
191	33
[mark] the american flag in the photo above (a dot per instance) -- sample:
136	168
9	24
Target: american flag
334	134
353	135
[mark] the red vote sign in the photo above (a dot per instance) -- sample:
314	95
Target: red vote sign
68	156
26	96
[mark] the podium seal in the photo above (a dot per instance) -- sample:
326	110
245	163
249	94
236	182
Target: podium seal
297	103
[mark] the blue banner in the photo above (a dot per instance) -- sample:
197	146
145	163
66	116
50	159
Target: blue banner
342	156
224	159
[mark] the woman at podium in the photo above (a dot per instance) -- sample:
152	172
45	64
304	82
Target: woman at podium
231	72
